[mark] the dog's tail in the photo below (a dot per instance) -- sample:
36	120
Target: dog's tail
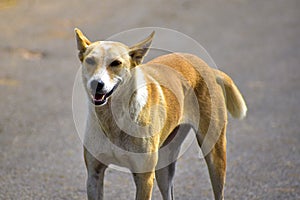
235	102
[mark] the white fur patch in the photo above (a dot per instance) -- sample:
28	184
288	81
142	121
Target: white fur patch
141	96
106	47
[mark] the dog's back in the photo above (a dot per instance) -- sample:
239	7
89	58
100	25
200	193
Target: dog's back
200	76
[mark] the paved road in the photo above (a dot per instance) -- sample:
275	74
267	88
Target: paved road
256	42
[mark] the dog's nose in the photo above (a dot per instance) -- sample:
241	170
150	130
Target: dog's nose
97	86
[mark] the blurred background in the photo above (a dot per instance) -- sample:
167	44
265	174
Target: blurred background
256	42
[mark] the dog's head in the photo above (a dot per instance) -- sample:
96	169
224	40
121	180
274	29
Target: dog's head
105	64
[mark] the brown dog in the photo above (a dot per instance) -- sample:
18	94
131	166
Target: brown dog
139	114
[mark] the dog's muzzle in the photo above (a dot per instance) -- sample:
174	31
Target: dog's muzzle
99	97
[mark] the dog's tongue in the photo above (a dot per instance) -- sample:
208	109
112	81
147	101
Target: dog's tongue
99	97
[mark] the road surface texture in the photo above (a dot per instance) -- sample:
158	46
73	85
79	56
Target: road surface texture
256	42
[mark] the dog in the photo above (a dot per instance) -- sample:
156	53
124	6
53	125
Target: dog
136	110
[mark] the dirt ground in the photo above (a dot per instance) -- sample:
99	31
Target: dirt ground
255	42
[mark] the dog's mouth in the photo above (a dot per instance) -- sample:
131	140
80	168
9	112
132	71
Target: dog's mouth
101	98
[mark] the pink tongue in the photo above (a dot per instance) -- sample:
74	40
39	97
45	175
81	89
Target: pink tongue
99	97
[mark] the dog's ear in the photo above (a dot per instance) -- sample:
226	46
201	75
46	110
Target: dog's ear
138	51
82	43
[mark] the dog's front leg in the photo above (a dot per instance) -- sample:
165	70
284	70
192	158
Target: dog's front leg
144	185
95	178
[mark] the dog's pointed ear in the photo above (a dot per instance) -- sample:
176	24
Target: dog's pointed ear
138	51
82	43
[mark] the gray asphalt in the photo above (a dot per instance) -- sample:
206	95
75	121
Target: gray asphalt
255	42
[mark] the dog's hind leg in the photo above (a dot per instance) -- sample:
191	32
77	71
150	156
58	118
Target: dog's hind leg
95	178
216	163
164	178
165	175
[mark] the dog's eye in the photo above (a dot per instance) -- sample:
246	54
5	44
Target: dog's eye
90	61
115	63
